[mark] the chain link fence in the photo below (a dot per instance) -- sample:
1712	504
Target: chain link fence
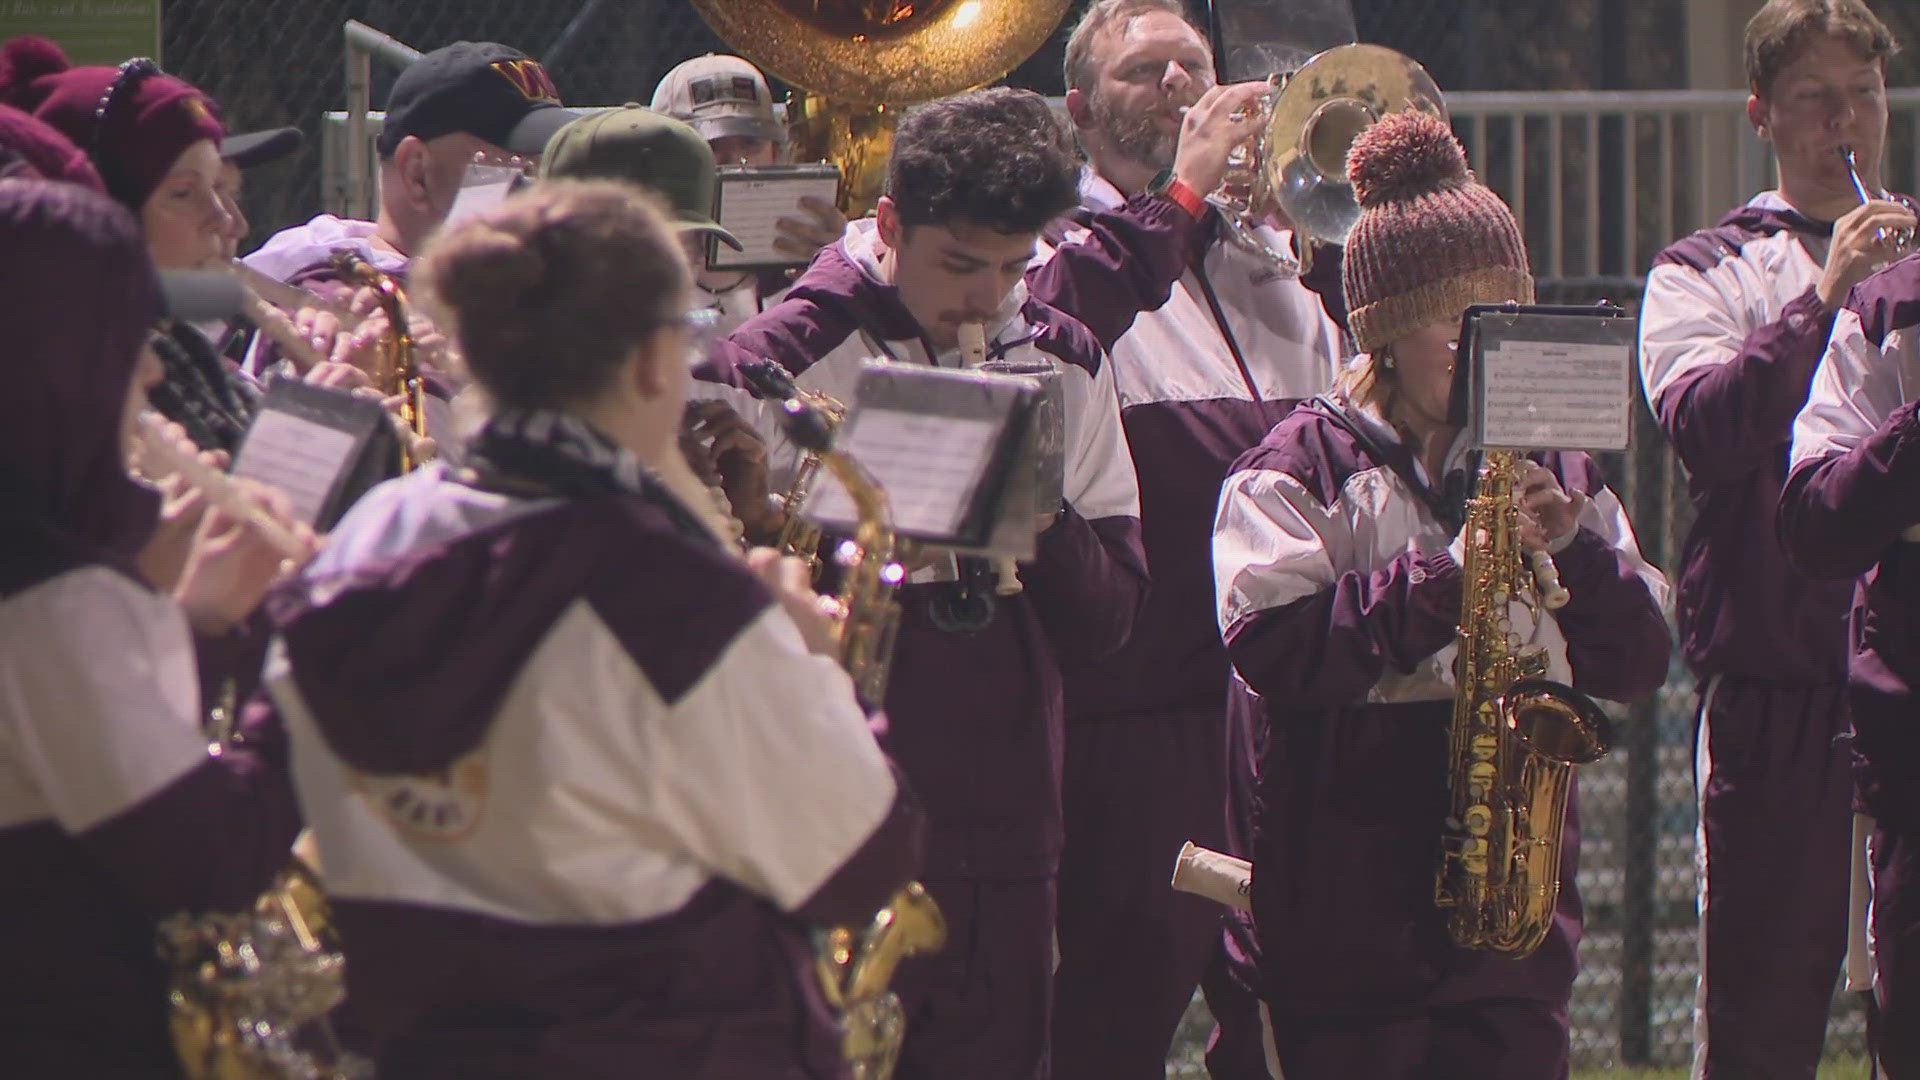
279	62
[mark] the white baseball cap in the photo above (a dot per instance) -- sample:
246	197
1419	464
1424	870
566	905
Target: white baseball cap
720	96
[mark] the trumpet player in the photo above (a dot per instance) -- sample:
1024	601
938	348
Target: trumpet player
580	778
1337	559
113	812
1211	343
975	695
1733	324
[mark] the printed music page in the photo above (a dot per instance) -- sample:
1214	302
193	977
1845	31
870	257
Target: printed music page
751	203
301	457
931	466
1555	395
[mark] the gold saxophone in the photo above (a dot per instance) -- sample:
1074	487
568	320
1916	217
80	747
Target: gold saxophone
856	964
398	372
799	537
1514	741
250	991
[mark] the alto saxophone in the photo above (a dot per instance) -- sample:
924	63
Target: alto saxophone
856	964
1514	740
398	373
798	536
251	991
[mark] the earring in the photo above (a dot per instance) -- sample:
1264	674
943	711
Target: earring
1386	359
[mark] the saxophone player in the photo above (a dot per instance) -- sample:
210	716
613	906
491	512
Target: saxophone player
975	700
580	779
1338	582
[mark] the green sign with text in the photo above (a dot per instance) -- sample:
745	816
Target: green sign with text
88	31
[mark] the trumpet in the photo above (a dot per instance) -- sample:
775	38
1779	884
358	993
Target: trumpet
1901	241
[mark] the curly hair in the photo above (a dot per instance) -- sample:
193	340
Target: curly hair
550	291
996	158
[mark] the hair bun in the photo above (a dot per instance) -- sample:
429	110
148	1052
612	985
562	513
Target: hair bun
1402	155
23	60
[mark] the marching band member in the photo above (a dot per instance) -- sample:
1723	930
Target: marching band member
456	103
975	697
579	778
1202	374
1732	327
31	150
726	100
155	141
1846	513
669	159
1339	589
113	812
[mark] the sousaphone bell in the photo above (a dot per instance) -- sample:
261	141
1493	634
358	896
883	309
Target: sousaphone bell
854	63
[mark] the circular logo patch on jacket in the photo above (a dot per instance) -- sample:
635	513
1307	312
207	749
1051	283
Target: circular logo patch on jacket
441	806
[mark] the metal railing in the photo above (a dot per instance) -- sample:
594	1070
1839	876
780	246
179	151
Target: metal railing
1601	181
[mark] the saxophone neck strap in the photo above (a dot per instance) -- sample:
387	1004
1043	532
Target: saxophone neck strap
1448	505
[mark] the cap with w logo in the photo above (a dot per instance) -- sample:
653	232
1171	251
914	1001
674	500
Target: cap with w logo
489	91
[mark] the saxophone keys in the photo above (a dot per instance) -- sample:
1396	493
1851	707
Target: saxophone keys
1479	820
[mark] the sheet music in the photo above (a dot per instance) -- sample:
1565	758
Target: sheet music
752	203
929	465
303	458
1548	395
482	188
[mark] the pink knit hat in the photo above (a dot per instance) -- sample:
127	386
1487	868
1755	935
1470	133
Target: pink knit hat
1431	240
152	119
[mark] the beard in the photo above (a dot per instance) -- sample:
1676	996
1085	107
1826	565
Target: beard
1137	138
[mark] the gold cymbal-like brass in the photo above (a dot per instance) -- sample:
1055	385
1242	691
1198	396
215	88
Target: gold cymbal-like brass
1323	107
884	52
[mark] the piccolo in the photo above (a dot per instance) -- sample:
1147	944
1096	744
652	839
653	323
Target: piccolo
158	446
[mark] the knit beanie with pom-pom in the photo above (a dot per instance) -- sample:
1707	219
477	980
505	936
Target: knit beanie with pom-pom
1431	239
151	120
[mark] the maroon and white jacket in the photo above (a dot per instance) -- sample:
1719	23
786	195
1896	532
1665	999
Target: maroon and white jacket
1730	334
1211	345
115	813
975	718
578	789
1853	490
1339	597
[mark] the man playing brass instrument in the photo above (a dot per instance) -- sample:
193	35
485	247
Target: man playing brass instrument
974	700
1734	322
1211	345
1338	555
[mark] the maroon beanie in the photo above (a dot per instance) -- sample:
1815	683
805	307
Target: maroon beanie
153	119
29	147
1431	240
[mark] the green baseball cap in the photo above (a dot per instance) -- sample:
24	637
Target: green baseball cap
647	149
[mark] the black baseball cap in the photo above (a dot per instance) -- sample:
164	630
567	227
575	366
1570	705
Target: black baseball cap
485	89
259	147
